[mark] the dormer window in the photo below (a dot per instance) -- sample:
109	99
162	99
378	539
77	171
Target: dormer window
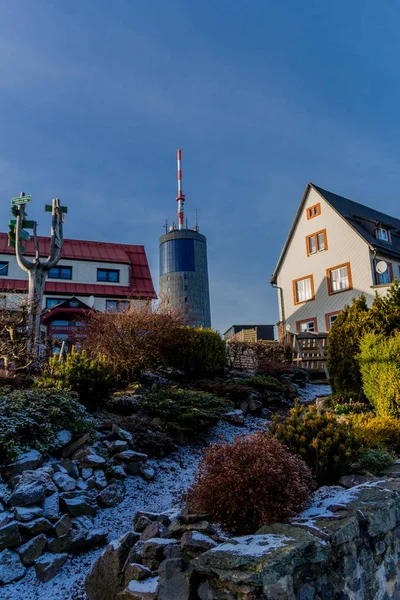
382	234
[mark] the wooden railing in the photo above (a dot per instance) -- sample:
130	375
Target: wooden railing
309	350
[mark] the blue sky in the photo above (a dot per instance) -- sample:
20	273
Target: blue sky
262	96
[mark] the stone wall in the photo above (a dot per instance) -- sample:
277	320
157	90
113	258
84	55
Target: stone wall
345	547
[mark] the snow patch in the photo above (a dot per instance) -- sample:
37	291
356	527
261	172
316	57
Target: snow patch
148	586
254	545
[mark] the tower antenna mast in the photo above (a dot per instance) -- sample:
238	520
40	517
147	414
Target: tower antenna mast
181	197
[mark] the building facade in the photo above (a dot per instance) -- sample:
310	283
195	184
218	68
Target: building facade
336	250
90	276
184	275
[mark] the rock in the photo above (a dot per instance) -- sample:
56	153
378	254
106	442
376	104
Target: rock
11	567
87	472
27	513
254	405
28	461
14	481
177	529
91	483
186	517
118	446
80	505
92	460
64	482
131	456
40	525
140	590
234	416
155	529
118	471
141	524
82	485
105	579
100	479
6	517
136	571
63	438
349	481
153	552
48	565
123	434
9	535
132	467
75	446
30	551
147	472
206	592
77	540
172	551
112	495
51	508
174	580
83	522
71	467
63	526
194	543
33	487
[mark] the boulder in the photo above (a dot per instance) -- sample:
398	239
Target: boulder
105	579
100	479
92	460
87	472
153	530
147	472
11	567
349	481
9	535
153	552
30	551
26	462
71	467
206	592
77	540
82	485
174	580
80	504
112	495
178	529
63	526
33	487
194	543
63	438
51	507
140	590
131	456
64	482
48	565
136	571
27	513
162	517
40	525
6	517
141	524
117	446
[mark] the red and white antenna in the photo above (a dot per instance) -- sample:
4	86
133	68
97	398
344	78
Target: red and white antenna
181	197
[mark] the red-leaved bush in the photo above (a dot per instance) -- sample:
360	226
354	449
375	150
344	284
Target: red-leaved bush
252	482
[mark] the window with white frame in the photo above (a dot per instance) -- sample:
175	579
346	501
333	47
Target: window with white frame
303	290
332	319
306	326
382	234
339	279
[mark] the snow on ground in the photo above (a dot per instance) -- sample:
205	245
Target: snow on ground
174	474
312	391
253	545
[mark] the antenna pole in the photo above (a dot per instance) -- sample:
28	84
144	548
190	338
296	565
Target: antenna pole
181	198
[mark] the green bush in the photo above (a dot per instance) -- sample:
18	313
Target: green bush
374	460
347	332
379	362
184	412
201	353
32	418
92	378
373	431
260	383
324	442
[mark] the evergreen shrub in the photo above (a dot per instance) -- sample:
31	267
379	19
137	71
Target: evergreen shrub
30	419
252	482
379	362
200	353
326	443
374	460
373	431
184	412
261	383
93	378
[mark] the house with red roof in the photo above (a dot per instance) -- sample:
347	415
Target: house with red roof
90	276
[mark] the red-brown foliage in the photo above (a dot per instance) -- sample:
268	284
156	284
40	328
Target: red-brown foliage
253	482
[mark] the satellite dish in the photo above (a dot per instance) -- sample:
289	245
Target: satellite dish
381	267
91	301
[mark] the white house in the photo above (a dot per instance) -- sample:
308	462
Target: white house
336	249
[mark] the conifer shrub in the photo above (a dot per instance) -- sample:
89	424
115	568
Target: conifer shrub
30	419
252	482
327	444
261	383
201	353
374	431
379	362
93	378
184	412
229	389
374	460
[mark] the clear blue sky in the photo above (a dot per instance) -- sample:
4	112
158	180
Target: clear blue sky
262	96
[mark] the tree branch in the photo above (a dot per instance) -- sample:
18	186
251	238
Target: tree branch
23	262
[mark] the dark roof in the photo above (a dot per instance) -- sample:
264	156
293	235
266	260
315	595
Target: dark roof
361	218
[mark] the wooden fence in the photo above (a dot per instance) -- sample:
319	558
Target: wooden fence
309	351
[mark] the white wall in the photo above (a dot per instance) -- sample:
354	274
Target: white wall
344	245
